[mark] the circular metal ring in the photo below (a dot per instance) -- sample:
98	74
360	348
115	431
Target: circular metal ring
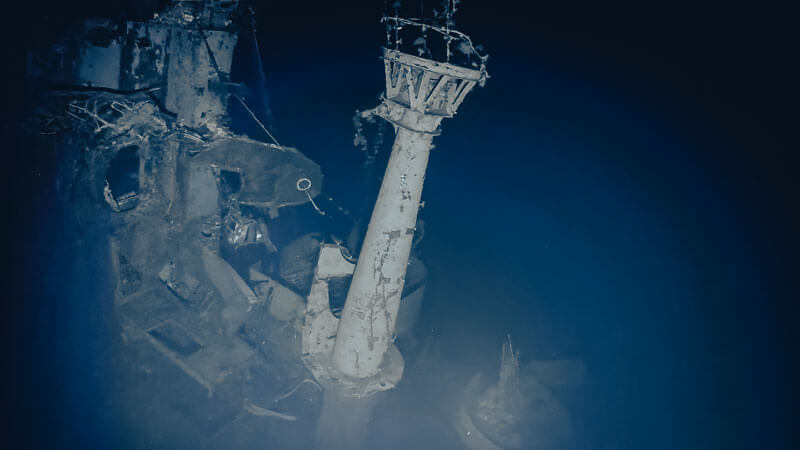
303	184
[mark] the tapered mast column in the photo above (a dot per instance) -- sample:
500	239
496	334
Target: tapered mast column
419	94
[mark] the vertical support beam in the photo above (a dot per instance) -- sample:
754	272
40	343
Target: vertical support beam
419	94
368	320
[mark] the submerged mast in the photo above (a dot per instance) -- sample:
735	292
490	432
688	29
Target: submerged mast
420	92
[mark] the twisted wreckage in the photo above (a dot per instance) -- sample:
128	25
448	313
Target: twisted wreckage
202	285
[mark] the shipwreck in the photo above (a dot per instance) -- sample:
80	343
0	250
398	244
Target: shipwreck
264	334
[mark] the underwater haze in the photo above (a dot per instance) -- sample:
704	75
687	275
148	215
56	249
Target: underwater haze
619	194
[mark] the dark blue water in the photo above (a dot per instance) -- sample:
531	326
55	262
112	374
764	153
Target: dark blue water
605	197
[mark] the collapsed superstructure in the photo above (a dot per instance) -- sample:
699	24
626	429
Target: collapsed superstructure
139	111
